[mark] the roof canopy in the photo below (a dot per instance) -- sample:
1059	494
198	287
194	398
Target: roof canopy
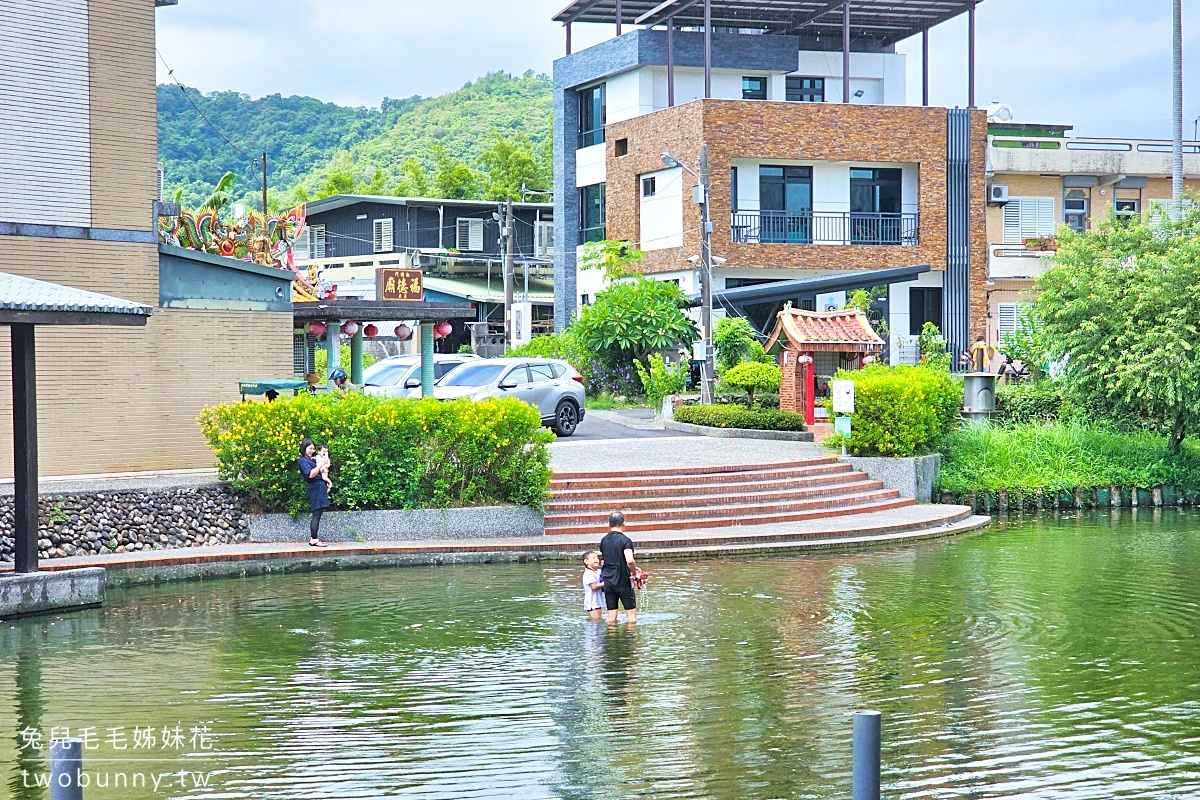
353	308
845	331
885	21
29	301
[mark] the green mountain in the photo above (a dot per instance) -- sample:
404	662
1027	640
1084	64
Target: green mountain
415	145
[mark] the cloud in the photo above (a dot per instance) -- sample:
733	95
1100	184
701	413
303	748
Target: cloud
1102	66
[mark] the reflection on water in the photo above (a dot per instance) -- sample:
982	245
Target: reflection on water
1039	660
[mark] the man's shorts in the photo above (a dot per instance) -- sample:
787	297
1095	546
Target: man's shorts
622	593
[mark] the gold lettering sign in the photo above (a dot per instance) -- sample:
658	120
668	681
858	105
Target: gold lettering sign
399	284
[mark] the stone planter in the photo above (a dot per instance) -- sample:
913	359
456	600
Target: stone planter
490	522
737	433
912	477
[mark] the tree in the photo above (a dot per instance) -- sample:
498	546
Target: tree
374	185
454	180
733	339
339	181
511	165
221	195
752	376
617	259
414	182
636	317
1122	305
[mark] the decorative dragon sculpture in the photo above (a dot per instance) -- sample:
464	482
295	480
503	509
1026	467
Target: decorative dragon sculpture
262	240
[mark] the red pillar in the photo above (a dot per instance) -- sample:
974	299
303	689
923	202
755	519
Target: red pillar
810	389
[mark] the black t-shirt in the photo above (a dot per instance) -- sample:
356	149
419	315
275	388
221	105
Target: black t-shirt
616	568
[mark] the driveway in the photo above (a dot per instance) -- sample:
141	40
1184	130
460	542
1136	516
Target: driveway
629	423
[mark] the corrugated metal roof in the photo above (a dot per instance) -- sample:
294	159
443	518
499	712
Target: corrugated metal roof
478	290
18	293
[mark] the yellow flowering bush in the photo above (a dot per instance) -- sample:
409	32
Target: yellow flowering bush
386	453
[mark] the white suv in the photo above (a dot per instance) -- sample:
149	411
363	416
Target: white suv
553	387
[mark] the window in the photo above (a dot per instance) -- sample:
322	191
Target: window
592	112
1008	319
649	187
591	213
1028	217
1075	209
311	244
545	239
1127	208
924	305
585	299
541	372
875	206
383	240
785	197
754	88
733	189
519	375
805	90
621	147
470	235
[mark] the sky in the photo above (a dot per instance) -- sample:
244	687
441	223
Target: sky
1103	66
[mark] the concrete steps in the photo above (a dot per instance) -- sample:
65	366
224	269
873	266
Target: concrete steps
714	497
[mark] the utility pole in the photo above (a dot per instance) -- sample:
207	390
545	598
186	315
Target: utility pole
1177	112
508	275
706	279
264	166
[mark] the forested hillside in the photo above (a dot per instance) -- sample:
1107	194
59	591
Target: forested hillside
483	140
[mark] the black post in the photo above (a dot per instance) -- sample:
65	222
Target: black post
864	784
846	53
707	49
619	10
25	451
925	67
567	25
971	58
671	61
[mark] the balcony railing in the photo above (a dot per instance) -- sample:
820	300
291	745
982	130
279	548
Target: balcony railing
824	227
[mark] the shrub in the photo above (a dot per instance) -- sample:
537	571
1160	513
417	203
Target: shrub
661	380
387	453
752	376
723	416
1027	402
732	339
900	411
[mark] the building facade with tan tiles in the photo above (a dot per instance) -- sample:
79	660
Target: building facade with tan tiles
78	185
1042	180
870	193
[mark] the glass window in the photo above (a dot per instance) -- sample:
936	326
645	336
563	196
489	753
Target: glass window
474	375
519	376
754	88
383	374
591	213
649	187
558	369
442	367
1075	209
541	372
733	188
1127	208
592	112
785	197
805	90
924	305
875	191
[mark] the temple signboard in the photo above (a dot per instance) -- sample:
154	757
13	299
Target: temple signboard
399	284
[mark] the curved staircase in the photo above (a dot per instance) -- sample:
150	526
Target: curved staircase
715	497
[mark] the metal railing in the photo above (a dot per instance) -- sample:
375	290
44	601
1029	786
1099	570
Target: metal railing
824	227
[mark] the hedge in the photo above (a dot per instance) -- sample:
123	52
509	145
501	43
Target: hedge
1028	402
900	411
726	416
387	453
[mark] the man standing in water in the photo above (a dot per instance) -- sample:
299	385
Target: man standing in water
619	568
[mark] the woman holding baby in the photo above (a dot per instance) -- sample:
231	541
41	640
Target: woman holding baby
314	466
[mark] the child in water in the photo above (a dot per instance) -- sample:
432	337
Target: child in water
593	585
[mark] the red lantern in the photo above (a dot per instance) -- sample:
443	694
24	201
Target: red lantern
349	327
317	329
403	332
443	330
371	331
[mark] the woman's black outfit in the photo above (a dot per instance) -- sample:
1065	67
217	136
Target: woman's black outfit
317	491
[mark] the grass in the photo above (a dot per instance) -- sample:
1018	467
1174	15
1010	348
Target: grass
606	402
1061	457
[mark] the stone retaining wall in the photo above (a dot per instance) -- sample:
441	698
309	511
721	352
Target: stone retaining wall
126	521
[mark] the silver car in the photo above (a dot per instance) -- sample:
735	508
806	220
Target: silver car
400	376
553	387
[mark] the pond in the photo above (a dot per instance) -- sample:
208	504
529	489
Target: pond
1043	659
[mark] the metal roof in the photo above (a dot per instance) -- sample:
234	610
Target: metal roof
789	289
343	200
28	300
885	21
481	290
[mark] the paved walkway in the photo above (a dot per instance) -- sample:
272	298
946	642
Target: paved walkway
568	455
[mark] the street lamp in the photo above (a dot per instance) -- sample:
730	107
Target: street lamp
706	263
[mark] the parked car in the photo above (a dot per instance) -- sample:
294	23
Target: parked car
554	388
395	376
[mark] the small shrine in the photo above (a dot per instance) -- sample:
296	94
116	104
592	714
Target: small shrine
811	346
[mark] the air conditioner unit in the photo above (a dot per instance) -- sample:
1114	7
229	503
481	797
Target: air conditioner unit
998	193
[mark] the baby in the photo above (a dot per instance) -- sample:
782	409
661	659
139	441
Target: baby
593	585
323	460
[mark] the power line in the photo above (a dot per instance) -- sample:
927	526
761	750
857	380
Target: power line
186	96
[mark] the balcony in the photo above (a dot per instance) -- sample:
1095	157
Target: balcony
824	227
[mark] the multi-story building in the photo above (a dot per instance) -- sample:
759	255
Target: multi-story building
1042	180
456	244
821	178
78	185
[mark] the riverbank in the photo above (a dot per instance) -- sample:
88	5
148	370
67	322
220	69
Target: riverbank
1045	466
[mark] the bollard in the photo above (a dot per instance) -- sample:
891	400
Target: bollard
66	765
865	781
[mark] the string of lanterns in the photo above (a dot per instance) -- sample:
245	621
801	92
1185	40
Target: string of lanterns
402	332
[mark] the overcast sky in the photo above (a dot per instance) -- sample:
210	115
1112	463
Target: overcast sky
1100	65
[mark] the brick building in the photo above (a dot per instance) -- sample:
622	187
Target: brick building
78	185
818	184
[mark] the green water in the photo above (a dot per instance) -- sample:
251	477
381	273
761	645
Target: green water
1051	659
